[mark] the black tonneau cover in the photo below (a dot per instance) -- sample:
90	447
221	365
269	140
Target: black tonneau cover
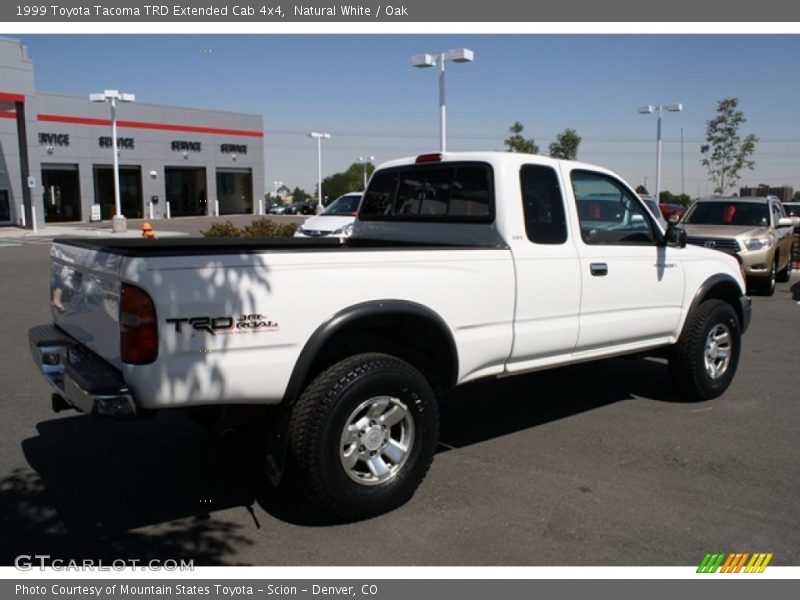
181	246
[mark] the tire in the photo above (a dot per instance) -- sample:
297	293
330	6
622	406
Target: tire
362	436
766	285
704	360
785	273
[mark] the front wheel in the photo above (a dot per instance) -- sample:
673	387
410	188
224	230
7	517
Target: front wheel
766	286
363	434
704	360
785	273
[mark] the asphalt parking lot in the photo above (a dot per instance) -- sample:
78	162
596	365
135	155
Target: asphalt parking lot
594	464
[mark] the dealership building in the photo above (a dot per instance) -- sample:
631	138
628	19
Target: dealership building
56	155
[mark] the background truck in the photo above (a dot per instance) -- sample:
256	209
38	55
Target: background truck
461	266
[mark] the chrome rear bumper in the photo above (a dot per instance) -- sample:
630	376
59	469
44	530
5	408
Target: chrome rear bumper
80	377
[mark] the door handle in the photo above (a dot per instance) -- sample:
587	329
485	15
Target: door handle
599	269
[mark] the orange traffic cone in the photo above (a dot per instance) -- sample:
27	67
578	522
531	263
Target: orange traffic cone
147	231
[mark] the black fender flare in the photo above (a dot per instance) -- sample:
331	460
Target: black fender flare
353	313
742	308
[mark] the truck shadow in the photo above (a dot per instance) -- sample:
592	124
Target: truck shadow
95	483
490	408
152	489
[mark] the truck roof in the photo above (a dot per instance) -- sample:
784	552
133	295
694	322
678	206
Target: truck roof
495	158
750	199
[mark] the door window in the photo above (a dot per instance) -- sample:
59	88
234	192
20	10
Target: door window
608	212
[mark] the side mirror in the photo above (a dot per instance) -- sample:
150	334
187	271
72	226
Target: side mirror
675	236
785	222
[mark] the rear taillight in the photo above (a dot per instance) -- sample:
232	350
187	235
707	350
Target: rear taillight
434	157
138	326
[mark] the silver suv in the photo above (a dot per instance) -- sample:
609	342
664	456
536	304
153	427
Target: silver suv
756	230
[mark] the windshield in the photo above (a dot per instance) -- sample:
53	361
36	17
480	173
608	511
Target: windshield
344	205
728	213
651	204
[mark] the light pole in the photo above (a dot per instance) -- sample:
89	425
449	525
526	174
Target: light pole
118	224
659	108
458	55
319	137
366	160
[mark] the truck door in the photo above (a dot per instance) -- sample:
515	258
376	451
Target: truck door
632	286
547	272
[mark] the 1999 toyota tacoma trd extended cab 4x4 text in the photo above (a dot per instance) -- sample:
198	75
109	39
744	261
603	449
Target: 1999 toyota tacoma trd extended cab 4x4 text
461	266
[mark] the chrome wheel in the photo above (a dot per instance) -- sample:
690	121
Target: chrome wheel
718	350
376	440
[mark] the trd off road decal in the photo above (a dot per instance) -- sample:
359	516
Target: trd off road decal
214	325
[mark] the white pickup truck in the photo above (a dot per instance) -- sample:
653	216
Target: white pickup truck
461	266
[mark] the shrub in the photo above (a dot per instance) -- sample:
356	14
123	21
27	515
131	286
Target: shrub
261	227
226	230
264	227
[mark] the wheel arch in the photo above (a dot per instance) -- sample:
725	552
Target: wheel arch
721	287
408	330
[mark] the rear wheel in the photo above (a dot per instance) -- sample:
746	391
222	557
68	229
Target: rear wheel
362	435
704	360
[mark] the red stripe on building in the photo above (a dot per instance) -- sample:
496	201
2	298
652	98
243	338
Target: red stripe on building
8	115
5	97
143	125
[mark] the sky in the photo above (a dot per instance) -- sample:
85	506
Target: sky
363	90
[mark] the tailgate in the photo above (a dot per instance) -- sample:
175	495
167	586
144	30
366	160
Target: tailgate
84	297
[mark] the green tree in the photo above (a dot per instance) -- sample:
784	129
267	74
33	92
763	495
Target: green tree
667	197
682	199
640	189
796	197
726	154
566	145
517	143
350	180
299	195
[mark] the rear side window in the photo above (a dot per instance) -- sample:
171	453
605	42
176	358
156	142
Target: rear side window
452	192
543	205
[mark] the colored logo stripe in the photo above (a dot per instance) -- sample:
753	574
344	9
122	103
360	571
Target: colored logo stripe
758	563
711	563
734	563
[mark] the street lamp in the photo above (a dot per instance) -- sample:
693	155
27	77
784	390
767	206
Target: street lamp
319	137
458	55
366	160
659	108
118	224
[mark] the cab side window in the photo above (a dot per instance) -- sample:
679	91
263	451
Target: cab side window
608	212
543	205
